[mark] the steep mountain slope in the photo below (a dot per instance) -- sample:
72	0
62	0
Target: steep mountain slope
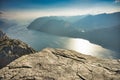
10	49
98	21
79	23
51	25
107	37
59	64
102	29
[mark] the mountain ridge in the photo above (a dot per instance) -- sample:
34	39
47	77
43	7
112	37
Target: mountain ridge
84	28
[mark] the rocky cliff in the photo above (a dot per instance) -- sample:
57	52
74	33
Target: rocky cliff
59	64
3	36
10	49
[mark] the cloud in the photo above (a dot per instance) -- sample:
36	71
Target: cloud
32	14
117	1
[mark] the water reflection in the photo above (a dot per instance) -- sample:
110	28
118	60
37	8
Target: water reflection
39	40
85	47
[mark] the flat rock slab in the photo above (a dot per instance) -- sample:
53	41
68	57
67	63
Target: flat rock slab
60	64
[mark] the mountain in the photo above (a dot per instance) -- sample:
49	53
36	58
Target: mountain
71	19
98	21
107	37
75	23
57	25
102	29
11	49
53	25
60	64
5	24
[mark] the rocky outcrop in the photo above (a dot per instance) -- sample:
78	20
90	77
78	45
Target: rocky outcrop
3	36
10	49
59	64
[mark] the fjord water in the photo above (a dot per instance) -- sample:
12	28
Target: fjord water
39	40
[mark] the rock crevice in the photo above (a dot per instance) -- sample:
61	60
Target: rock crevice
60	64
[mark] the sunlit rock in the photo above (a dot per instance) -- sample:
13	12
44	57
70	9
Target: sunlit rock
60	64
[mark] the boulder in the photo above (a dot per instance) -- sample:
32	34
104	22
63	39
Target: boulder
60	64
10	49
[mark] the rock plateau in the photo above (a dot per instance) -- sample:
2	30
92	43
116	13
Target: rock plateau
60	64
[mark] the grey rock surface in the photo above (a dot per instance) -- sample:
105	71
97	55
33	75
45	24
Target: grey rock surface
3	36
60	64
10	49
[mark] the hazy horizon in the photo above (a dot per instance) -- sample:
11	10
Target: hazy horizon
31	9
20	19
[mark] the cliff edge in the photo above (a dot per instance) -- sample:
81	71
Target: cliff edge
11	49
60	64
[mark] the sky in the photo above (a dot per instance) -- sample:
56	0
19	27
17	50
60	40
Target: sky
39	8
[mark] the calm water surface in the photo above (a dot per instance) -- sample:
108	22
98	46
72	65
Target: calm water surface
39	40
